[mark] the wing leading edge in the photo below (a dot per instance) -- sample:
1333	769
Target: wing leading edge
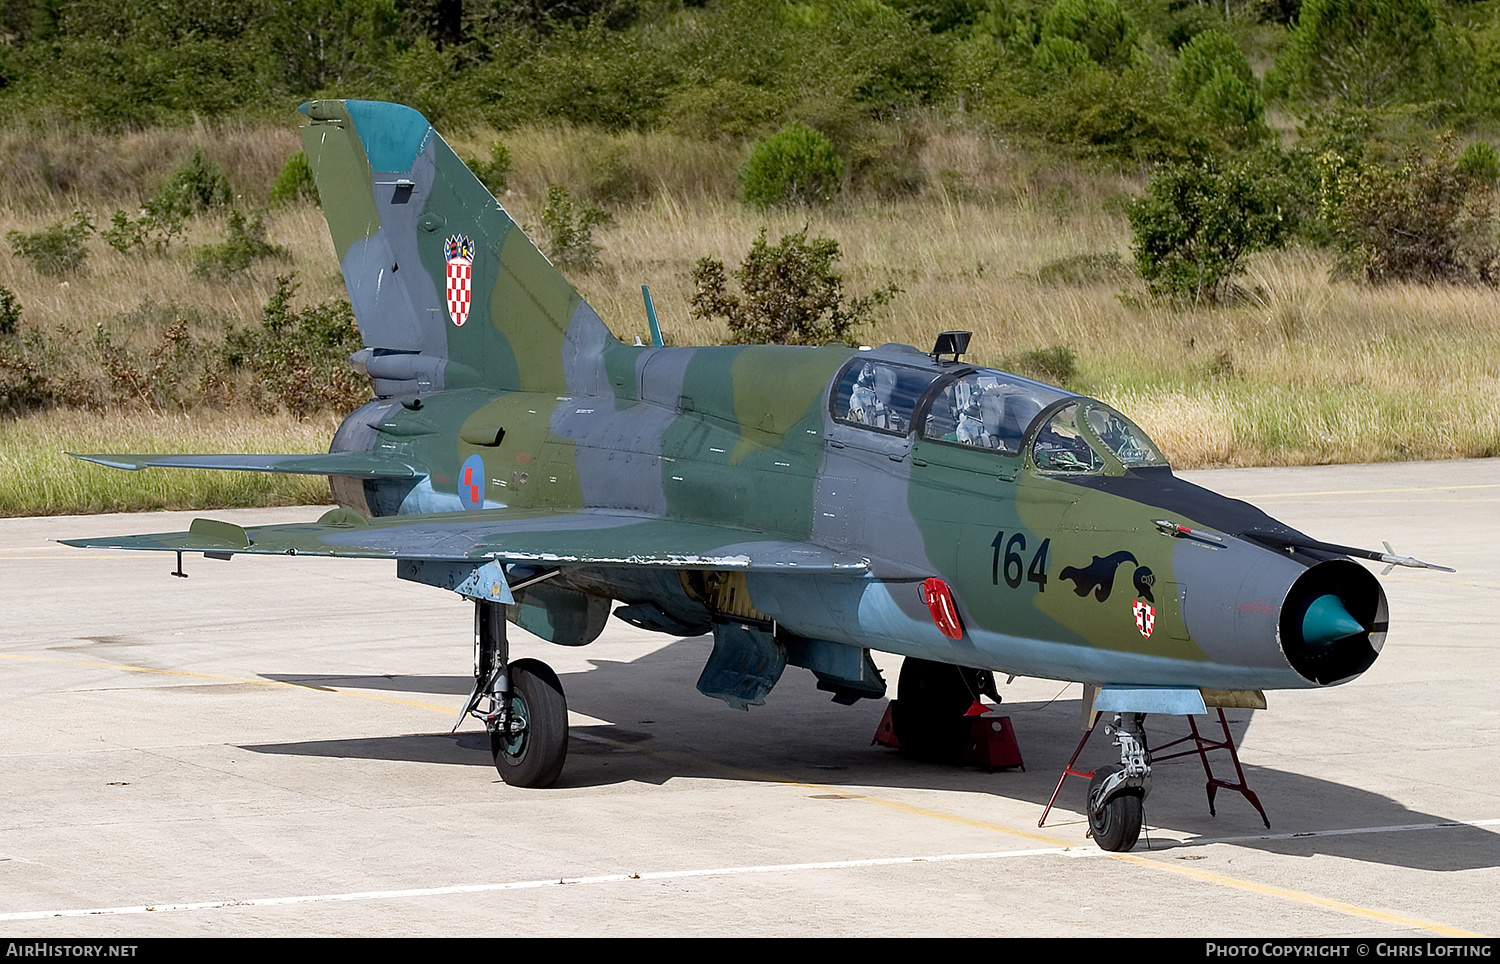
586	537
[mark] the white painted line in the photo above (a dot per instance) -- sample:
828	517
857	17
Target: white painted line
523	884
1081	851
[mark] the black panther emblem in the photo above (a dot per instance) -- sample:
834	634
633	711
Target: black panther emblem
1099	575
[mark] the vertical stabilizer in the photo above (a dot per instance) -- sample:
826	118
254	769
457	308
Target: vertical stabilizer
449	292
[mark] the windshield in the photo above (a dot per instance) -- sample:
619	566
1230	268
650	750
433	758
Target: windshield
1089	437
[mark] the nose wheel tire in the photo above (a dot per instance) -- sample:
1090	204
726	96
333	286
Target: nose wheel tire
1116	826
530	752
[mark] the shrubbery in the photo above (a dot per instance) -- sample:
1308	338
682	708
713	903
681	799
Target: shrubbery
194	186
10	311
570	232
796	165
1197	223
791	294
1426	220
244	244
294	183
299	358
493	172
57	249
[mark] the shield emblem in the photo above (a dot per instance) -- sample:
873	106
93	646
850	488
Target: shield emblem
1145	617
458	252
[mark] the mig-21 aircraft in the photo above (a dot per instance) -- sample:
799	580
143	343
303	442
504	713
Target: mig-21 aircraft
804	505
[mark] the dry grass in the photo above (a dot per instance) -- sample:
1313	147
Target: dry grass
112	285
64	166
1298	370
37	478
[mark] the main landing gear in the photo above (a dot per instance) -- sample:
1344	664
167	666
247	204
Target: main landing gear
932	702
524	709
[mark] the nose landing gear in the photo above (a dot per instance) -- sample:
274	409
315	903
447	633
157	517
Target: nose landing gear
1117	791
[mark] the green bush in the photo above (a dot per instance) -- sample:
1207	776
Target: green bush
570	233
1201	58
294	183
1057	365
1131	114
1231	109
244	244
57	249
1213	77
10	311
494	172
1480	162
1197	223
123	234
298	359
796	165
194	186
1424	220
791	294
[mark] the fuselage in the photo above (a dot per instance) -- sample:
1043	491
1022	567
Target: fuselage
1047	535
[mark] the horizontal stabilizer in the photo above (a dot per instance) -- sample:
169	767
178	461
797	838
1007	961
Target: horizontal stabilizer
591	538
357	465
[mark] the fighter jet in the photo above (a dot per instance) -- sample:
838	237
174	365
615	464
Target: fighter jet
804	505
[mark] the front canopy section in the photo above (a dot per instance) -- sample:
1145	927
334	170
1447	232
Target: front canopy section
1087	437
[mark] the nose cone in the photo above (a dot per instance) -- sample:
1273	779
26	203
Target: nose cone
1333	622
1326	622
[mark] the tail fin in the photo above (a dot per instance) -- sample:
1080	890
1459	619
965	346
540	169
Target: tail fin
448	291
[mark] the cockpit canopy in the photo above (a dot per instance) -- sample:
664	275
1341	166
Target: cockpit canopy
994	410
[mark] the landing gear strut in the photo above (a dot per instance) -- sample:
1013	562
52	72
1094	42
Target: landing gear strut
1116	792
525	711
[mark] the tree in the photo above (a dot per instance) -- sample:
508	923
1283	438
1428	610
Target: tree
1196	225
1364	53
1100	27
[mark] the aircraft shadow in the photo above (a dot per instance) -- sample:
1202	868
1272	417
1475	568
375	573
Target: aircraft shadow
664	729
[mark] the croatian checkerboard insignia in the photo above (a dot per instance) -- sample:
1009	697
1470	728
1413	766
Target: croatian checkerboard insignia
458	251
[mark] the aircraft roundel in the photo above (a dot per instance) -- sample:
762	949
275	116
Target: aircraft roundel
471	483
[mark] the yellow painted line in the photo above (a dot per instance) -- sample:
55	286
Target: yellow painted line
1314	900
1152	863
1222	880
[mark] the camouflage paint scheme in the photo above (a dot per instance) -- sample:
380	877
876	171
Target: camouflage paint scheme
727	489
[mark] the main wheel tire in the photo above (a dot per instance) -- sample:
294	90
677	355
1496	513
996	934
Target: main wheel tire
534	757
928	716
1117	826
